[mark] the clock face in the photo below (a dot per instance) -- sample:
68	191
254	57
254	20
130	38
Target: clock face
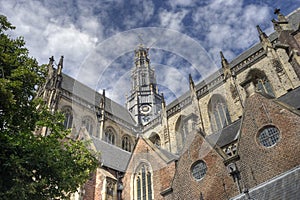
145	109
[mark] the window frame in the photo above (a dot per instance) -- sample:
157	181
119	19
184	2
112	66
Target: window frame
112	137
202	174
69	117
126	143
218	112
143	183
268	141
88	123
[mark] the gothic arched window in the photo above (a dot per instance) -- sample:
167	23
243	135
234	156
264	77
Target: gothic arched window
218	113
143	180
126	144
109	136
155	139
260	81
68	117
88	123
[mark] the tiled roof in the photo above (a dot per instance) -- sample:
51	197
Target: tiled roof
93	97
226	135
112	156
292	98
164	154
284	186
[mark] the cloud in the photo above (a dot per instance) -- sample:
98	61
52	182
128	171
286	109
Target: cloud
97	38
230	26
172	20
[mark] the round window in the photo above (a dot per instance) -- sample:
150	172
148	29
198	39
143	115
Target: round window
199	169
269	136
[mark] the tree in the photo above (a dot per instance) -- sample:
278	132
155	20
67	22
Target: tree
33	166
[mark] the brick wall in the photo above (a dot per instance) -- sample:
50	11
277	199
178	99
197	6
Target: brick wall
216	184
258	163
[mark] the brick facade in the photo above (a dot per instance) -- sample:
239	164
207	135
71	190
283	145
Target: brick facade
258	163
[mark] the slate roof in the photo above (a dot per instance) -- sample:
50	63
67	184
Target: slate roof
91	96
112	156
168	155
284	186
292	98
226	135
294	18
164	154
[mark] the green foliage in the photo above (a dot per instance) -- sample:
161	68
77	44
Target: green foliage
33	166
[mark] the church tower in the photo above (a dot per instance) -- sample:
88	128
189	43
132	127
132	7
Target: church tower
144	101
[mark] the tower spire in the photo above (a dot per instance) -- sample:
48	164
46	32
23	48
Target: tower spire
144	101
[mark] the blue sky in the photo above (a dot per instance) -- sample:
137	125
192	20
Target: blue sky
97	37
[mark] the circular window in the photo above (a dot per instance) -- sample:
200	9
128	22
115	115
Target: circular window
269	136
198	169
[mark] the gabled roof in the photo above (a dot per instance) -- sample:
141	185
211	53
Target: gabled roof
292	98
91	96
225	136
284	186
112	156
164	154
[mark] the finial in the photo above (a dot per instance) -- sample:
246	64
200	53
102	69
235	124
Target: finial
262	34
60	65
224	60
51	59
102	100
162	98
277	11
281	17
222	56
191	81
225	66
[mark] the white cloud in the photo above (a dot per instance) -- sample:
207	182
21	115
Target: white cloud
229	26
172	20
90	34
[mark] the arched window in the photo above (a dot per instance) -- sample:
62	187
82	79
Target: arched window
143	180
180	134
68	117
88	123
260	81
155	139
109	136
126	144
218	113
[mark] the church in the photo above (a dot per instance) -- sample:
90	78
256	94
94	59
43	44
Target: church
234	135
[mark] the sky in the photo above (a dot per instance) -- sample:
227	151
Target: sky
97	37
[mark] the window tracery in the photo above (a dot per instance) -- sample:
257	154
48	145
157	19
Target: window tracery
198	170
269	136
88	123
126	144
143	180
109	136
261	82
218	113
68	117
